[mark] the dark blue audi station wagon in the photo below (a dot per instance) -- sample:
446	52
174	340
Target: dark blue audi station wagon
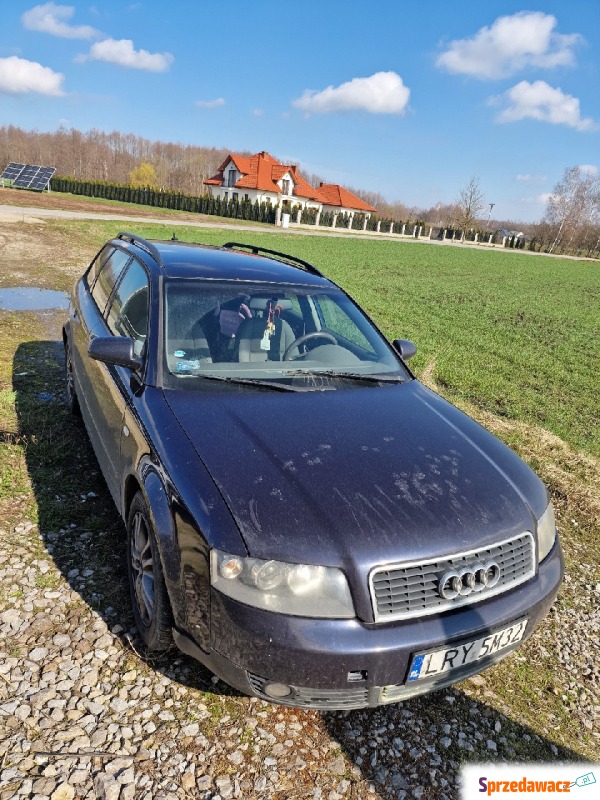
303	516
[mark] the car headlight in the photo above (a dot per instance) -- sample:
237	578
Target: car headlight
546	532
302	590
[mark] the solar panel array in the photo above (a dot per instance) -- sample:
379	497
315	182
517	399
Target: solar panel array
28	176
13	171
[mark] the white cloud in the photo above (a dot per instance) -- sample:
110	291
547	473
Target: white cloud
257	112
528	178
382	93
525	39
539	100
589	169
122	53
18	76
53	19
220	101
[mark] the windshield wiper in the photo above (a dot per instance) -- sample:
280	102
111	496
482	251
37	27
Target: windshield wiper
278	387
353	376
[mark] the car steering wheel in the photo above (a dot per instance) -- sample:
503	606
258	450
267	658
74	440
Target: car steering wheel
301	339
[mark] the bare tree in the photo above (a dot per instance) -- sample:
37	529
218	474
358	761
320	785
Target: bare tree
443	215
573	205
470	204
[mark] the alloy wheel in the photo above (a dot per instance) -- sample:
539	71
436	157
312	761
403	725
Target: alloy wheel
142	567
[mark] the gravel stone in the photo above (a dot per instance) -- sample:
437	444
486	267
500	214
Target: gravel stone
118	727
38	653
106	787
63	792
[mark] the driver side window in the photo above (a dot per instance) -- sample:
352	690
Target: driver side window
335	319
128	312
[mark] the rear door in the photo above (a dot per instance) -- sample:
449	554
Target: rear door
92	305
118	307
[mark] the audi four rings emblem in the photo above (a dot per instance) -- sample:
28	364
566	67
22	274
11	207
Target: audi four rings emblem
462	582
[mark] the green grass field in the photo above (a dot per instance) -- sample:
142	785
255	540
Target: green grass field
513	333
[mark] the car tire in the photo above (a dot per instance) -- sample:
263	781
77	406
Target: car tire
70	393
149	597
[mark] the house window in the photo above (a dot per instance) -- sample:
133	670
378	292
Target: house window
246	197
231	177
226	195
235	195
285	186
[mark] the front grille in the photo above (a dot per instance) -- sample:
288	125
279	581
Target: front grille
324	699
403	591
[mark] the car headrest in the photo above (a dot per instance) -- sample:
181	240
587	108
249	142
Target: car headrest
262	303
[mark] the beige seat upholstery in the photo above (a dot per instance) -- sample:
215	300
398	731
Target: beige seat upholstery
251	332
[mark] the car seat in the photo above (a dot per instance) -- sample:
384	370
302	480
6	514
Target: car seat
251	333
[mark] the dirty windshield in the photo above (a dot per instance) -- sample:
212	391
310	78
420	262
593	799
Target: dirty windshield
265	333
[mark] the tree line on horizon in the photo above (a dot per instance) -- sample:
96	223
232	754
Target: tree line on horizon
571	222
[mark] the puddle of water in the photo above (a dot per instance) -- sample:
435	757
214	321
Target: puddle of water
32	299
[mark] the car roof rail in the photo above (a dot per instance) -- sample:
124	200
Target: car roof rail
283	257
133	238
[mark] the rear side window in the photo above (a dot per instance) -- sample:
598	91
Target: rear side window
108	277
97	265
128	313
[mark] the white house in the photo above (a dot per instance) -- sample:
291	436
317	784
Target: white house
261	177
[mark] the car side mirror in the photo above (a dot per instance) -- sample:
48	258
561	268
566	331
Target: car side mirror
117	350
405	348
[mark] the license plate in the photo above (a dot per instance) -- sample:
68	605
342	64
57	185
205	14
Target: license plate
428	665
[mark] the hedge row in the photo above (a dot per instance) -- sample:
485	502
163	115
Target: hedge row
206	204
237	209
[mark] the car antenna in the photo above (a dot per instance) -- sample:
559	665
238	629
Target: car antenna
174	238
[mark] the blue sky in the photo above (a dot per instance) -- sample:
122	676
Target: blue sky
408	99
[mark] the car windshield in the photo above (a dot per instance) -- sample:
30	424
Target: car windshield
287	335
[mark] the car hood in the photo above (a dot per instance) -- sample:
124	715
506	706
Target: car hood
357	476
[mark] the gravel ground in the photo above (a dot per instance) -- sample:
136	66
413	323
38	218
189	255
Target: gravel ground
82	714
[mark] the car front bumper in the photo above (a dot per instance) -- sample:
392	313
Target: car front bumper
345	664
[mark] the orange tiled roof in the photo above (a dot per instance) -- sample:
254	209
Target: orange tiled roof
278	171
332	194
243	163
303	188
261	171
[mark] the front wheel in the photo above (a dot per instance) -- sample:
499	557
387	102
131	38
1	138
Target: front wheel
149	598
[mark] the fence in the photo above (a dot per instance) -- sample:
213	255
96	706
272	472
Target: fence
267	213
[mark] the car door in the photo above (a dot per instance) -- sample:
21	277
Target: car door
110	387
127	314
87	321
84	318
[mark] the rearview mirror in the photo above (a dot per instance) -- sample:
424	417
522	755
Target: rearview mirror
405	348
117	350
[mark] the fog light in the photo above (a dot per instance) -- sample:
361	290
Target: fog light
277	690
